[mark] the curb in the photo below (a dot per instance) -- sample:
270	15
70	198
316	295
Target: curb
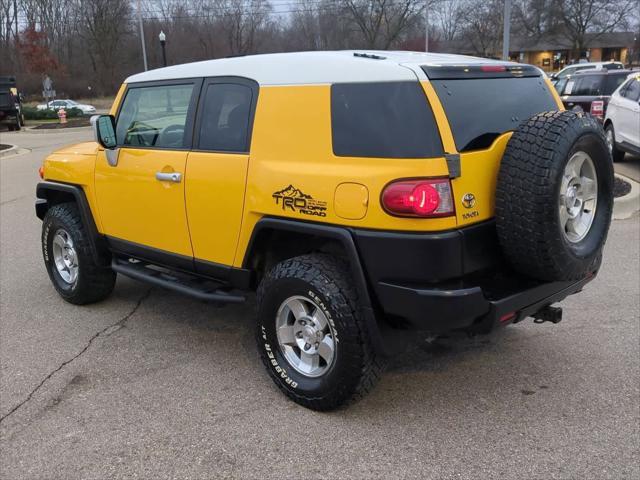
624	207
13	151
46	131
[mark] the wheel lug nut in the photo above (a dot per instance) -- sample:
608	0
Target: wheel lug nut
317	344
307	346
302	322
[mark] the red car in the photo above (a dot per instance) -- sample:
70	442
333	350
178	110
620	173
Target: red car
590	90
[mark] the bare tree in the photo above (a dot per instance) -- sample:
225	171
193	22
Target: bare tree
449	15
105	23
242	21
381	22
537	18
585	20
483	26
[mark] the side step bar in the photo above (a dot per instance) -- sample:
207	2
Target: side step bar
190	287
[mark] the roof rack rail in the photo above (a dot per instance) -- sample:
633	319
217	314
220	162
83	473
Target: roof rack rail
371	56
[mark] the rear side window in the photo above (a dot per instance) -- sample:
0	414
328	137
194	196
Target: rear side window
613	82
226	118
481	109
632	90
387	120
585	86
154	116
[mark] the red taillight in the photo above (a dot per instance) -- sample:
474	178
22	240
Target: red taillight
597	108
507	317
419	198
493	68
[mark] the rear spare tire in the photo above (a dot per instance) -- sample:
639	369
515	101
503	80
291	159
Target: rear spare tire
554	196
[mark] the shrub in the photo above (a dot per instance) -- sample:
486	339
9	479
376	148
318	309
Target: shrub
32	113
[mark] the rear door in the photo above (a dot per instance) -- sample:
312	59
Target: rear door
483	104
628	115
217	171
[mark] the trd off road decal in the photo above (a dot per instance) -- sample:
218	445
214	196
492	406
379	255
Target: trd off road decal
293	198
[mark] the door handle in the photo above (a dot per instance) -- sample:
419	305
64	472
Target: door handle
174	177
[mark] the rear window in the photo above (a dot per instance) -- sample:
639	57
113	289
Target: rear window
388	120
481	109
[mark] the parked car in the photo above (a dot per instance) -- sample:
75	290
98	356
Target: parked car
571	69
67	104
10	104
622	121
365	196
590	91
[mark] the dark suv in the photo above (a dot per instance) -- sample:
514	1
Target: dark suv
590	90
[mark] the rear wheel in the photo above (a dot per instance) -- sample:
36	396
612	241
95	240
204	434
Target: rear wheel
616	154
310	335
554	197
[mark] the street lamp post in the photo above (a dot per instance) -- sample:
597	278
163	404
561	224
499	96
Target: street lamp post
163	41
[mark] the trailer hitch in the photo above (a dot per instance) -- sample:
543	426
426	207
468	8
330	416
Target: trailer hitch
548	314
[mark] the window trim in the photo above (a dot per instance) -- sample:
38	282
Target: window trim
233	80
191	110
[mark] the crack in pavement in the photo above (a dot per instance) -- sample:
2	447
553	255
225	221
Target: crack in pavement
120	322
13	200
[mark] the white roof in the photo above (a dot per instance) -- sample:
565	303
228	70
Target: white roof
299	68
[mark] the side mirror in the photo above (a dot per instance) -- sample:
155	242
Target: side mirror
104	132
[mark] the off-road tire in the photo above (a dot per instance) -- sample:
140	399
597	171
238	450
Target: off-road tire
529	180
355	369
617	155
94	282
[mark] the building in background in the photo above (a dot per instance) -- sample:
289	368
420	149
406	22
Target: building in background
554	54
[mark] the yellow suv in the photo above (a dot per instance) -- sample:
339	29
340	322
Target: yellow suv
364	196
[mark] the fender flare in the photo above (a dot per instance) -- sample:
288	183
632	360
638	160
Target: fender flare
383	346
45	193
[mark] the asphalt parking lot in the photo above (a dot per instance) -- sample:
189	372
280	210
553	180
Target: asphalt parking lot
149	384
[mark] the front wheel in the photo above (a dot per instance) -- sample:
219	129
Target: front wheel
311	337
68	258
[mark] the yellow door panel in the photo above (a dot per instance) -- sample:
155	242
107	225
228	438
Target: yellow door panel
214	187
136	206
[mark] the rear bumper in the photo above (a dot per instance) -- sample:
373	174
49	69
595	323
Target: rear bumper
453	280
441	310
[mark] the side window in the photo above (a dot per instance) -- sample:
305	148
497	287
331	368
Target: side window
561	84
154	116
588	85
390	119
226	118
632	90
